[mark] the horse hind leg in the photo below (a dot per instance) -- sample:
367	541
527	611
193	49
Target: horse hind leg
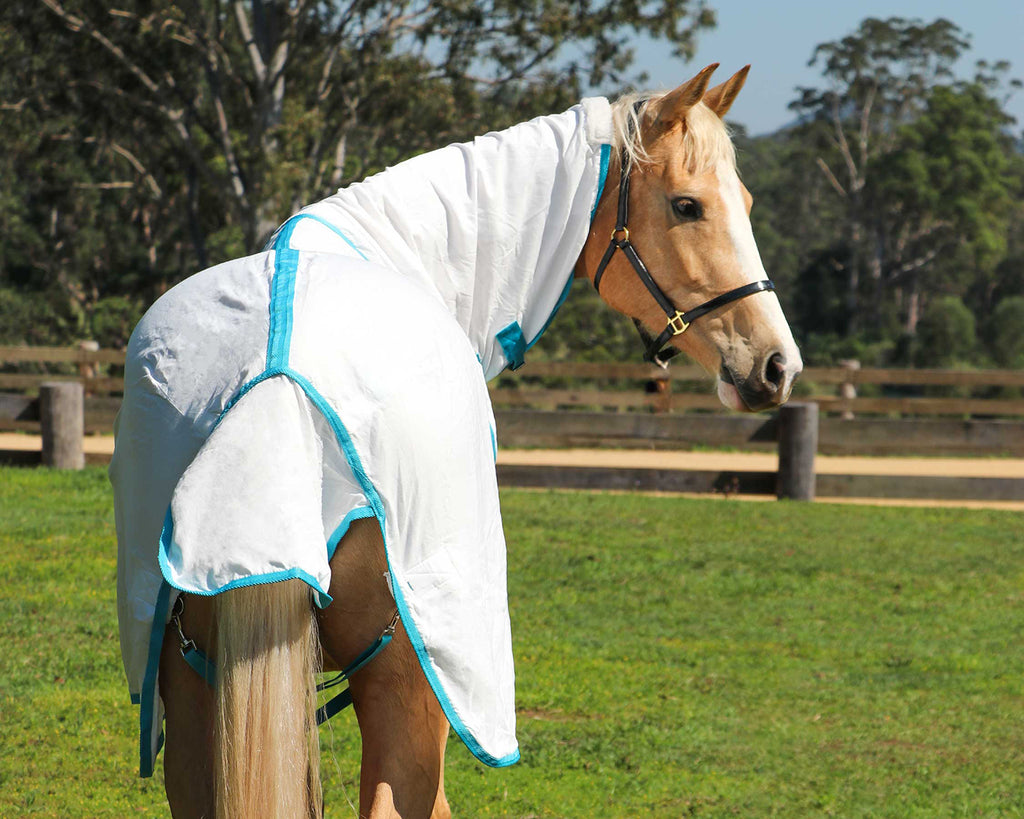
403	728
188	726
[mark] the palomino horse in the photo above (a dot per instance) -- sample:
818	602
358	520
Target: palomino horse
252	439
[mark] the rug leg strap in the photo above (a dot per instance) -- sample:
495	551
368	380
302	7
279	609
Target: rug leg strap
205	667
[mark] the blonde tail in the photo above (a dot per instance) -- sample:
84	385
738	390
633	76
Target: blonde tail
266	747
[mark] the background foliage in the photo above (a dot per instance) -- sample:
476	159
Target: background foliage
147	141
890	211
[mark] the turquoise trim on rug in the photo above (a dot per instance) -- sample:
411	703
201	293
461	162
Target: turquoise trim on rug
606	155
238	396
494	442
558	306
282	297
322	599
370	491
513	345
332	228
341	529
278	348
147	697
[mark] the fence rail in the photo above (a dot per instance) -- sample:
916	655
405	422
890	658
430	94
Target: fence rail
624	388
819	375
634	386
662	391
650	413
60	355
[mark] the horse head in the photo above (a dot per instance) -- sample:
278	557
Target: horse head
689	230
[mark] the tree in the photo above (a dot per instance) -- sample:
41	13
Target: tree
947	334
793	216
923	165
941	198
263	98
148	140
1008	332
878	76
75	220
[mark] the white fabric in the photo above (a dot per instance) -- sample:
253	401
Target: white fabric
340	374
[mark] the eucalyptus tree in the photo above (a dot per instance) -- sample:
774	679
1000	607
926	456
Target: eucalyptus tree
271	103
77	222
877	79
942	199
921	162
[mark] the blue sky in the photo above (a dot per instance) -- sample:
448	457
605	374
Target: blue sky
778	37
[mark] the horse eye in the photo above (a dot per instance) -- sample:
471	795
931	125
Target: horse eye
687	209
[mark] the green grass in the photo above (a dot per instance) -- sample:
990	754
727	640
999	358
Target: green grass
675	657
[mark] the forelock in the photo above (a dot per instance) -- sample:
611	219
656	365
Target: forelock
706	140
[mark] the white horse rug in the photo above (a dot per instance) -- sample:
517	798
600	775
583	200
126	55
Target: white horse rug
271	400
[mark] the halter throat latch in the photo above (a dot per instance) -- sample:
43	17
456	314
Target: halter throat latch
677	321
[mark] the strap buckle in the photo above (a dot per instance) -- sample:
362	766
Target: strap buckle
625	235
389	630
186	644
677	324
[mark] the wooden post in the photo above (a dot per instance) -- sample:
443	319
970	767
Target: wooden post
848	390
88	369
662	387
62	418
798	442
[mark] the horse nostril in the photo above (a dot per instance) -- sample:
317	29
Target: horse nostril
775	370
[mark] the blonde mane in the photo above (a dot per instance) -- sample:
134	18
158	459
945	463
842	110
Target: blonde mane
706	140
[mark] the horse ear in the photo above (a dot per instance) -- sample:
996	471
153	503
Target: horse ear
720	98
673	107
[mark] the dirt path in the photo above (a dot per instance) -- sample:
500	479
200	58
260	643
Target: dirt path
767	462
24	442
664	459
726	461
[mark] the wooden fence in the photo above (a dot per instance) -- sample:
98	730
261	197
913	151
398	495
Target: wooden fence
622	386
833	389
638	406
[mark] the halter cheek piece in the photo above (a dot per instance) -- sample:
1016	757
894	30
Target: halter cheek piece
678	321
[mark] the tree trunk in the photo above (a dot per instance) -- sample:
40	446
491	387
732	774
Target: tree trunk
853	275
195	223
913	307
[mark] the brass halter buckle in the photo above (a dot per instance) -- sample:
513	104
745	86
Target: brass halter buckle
677	324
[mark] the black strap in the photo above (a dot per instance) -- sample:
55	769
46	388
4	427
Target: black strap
678	321
205	667
655	347
341	701
333	706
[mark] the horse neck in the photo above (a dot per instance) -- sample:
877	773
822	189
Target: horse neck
493	226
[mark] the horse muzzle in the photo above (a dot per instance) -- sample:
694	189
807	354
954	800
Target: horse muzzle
768	384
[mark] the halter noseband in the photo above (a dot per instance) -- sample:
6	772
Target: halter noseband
678	321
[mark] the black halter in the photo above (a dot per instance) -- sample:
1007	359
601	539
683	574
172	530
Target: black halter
678	321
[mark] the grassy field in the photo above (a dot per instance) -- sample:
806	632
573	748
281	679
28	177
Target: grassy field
675	657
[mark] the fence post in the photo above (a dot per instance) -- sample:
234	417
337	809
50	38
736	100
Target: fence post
662	388
848	390
798	442
62	418
88	369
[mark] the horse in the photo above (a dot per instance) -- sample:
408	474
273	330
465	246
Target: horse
287	507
